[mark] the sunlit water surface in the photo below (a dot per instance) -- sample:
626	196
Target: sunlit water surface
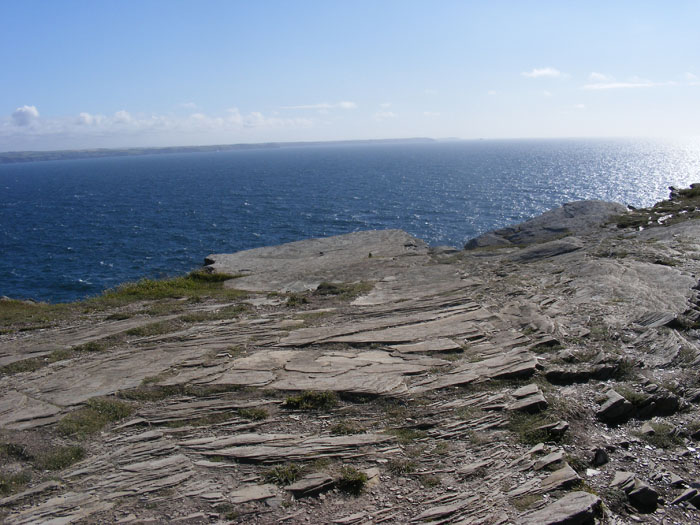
70	229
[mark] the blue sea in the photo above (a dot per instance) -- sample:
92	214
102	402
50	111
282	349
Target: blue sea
73	228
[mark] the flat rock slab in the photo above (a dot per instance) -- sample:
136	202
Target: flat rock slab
302	265
517	363
576	508
19	411
273	448
252	493
66	508
311	485
573	217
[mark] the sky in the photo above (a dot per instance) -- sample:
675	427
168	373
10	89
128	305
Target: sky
87	74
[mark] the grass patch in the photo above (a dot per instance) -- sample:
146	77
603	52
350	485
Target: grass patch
664	436
26	315
351	481
401	467
228	312
636	398
97	413
346	428
13	481
345	291
254	414
526	427
430	481
311	400
194	284
283	474
25	365
296	299
60	457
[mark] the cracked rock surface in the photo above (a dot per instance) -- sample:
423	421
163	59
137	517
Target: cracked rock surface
368	378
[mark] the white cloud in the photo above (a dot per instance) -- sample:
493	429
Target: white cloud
123	116
579	106
691	76
189	105
542	72
599	77
86	119
345	104
491	92
385	105
383	115
25	115
632	84
431	114
547	93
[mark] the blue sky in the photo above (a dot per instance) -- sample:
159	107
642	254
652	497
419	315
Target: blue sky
83	74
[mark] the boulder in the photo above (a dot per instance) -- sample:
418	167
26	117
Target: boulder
571	218
615	410
640	495
576	508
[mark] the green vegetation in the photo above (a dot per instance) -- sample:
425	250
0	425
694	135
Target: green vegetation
151	329
254	414
196	283
283	474
345	291
683	205
526	427
97	413
401	467
346	428
12	481
406	436
351	481
664	436
296	299
311	400
430	481
60	457
25	365
20	316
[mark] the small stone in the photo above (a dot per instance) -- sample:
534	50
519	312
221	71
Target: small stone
647	429
600	457
575	508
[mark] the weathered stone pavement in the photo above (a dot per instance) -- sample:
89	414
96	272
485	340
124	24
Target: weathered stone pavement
496	385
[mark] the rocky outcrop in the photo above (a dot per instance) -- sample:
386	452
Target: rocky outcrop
571	218
409	386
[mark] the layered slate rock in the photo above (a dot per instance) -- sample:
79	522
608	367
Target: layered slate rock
574	217
576	508
303	265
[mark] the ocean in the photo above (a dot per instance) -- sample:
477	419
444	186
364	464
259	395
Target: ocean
70	229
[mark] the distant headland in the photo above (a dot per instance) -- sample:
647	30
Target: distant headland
11	157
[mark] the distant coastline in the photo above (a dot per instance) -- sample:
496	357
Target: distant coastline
12	157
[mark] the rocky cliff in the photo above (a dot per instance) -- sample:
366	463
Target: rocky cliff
547	374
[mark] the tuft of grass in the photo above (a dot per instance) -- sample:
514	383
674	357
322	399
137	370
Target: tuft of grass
27	315
283	474
97	413
60	457
194	284
526	427
13	481
430	481
92	346
664	436
344	291
296	299
311	400
401	467
254	414
636	398
25	365
346	428
158	328
351	481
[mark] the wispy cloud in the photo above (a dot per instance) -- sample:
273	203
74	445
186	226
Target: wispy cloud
598	77
385	105
542	73
383	115
633	84
24	116
344	104
189	105
579	106
547	93
431	114
491	92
